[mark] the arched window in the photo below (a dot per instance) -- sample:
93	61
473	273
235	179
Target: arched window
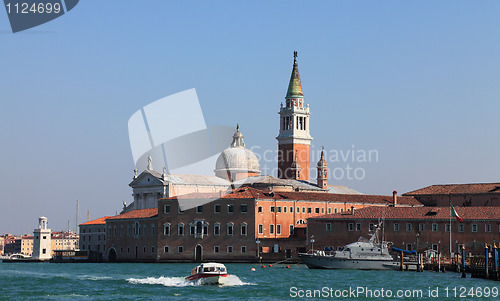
180	229
166	229
217	229
230	227
301	222
244	229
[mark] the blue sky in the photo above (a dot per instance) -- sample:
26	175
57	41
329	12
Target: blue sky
416	81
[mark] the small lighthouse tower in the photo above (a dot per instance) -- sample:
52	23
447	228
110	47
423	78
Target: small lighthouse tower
41	240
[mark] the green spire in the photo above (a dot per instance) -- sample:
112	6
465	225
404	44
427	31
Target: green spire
294	87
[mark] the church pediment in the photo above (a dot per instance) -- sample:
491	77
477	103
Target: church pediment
146	179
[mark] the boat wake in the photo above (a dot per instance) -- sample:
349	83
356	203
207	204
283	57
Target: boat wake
232	280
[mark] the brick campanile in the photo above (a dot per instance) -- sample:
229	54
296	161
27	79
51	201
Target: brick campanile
294	140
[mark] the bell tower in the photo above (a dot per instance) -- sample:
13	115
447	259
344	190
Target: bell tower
322	168
294	140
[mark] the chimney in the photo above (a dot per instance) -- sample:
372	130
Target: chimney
352	210
394	198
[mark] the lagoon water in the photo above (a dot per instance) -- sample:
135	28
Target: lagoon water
130	281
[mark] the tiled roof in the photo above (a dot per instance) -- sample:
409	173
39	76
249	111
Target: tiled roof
340	189
99	221
272	181
417	213
185	179
479	188
252	193
139	213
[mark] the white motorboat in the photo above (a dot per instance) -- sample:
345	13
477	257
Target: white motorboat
209	273
365	254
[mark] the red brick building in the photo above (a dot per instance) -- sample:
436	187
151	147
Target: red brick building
239	227
418	228
461	195
132	236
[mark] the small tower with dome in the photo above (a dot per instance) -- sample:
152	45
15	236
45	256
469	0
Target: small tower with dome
237	162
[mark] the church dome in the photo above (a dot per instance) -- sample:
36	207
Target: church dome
237	161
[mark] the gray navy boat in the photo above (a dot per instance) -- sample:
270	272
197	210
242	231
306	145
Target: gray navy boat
365	254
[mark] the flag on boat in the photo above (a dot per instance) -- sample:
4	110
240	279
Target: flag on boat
455	214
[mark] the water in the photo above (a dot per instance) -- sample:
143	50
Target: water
129	281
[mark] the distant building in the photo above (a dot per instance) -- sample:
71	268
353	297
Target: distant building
460	195
2	240
26	243
417	228
64	240
42	240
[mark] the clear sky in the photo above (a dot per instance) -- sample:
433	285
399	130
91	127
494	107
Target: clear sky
417	81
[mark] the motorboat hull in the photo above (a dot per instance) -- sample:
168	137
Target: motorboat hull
208	279
331	262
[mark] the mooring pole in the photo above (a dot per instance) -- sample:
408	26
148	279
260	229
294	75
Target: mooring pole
486	255
463	261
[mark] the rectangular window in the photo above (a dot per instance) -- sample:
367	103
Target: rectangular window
409	227
272	208
371	226
243	249
152	249
329	210
290	229
487	228
216	249
322	210
316	210
350	227
298	211
217	229
328	227
284	209
396	227
230	249
165	249
217	208
278	229
303	209
447	228
435	227
243	208
461	227
192	230
408	246
205	230
230	208
291	209
358	227
199	209
261	229
421	227
278	209
180	249
271	229
166	209
309	210
243	229
259	210
474	227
